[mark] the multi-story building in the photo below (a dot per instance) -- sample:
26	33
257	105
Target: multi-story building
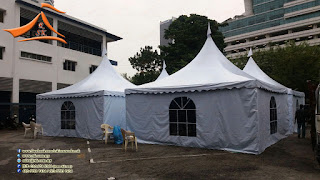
268	23
164	25
33	67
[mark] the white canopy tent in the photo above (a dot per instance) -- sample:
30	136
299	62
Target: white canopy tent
80	109
163	73
210	103
295	98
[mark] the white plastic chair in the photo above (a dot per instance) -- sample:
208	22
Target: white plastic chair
106	133
128	136
36	128
27	128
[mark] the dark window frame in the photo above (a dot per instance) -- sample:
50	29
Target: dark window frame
273	116
68	116
182	117
2	13
69	65
37	57
1	52
92	68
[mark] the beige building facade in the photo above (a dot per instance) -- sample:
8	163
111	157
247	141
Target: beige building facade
33	67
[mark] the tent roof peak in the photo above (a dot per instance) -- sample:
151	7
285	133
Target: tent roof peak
209	32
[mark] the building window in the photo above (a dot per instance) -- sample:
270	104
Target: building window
68	115
35	56
92	68
69	65
297	104
273	116
1	53
1	16
182	117
79	39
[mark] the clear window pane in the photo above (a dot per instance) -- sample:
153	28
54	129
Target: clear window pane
63	115
190	105
173	115
173	129
174	105
63	125
178	101
192	131
68	116
184	101
182	116
182	120
191	116
182	130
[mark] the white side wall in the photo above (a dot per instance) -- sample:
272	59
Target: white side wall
226	119
267	139
115	111
89	117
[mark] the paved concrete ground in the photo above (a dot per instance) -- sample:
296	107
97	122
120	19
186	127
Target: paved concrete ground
290	158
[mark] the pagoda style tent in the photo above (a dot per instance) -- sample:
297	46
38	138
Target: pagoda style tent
163	73
294	98
210	103
80	109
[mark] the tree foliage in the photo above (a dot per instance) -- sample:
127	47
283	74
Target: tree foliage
291	65
189	35
146	60
145	77
126	76
148	64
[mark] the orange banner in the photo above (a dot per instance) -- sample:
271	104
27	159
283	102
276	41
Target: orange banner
45	38
51	7
46	22
21	30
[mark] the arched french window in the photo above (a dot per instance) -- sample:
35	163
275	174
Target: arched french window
273	116
68	115
182	117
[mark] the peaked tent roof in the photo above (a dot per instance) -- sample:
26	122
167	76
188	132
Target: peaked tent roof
209	70
253	69
103	81
163	73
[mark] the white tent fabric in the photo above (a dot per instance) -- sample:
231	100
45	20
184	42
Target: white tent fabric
163	73
253	69
294	97
209	70
232	107
104	78
98	99
250	53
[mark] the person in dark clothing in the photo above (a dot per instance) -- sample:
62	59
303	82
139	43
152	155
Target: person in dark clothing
300	117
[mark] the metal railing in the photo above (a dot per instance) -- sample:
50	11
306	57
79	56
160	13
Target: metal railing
81	48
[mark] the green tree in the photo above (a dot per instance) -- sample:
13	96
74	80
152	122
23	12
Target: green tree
148	64
188	35
142	78
291	65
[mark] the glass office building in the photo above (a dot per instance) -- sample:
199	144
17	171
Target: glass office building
272	22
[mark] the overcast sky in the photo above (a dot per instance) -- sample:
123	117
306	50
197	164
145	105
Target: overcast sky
138	21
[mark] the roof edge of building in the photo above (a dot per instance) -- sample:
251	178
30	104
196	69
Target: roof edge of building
72	19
